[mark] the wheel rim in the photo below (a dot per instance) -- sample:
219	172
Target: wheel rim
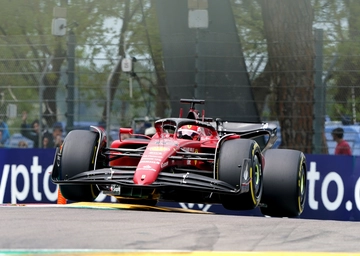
257	176
302	182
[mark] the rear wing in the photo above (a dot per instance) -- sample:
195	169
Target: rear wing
267	131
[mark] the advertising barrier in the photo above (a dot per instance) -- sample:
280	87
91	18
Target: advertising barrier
333	184
25	176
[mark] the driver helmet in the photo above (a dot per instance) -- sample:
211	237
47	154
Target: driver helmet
190	132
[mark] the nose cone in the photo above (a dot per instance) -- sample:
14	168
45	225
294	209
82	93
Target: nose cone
144	177
153	161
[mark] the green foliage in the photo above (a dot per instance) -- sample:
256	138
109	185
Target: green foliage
340	23
26	44
248	19
342	26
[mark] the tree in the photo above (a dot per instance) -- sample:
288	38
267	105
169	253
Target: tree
250	25
140	26
288	32
25	33
126	17
26	30
140	31
346	75
153	34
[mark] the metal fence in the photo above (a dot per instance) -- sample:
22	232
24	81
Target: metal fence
29	89
28	72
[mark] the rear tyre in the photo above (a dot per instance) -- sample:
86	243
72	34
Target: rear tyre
284	183
231	158
77	153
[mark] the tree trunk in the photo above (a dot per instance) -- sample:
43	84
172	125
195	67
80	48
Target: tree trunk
114	83
162	106
290	43
261	87
51	81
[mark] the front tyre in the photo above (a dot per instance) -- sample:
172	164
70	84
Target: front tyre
284	183
231	159
77	156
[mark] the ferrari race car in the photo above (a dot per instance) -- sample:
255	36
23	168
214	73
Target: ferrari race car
191	159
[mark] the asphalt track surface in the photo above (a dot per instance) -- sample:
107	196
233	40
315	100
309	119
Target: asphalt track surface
115	229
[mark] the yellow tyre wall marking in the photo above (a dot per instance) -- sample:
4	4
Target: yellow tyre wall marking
300	184
256	146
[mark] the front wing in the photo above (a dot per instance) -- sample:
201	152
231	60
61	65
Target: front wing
123	176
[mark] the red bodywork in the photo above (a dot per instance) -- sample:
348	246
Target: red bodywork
159	149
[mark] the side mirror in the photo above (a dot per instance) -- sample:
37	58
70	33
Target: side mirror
125	133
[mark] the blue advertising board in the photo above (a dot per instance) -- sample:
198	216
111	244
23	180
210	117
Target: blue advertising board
333	184
25	176
333	188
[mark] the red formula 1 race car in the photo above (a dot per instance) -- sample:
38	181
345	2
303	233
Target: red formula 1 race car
193	159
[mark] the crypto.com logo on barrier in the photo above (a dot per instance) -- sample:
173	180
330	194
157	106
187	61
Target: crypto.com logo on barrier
25	176
333	187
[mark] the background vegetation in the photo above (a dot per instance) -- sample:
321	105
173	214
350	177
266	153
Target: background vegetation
278	44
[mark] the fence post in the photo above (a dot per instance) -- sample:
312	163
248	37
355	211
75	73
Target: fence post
319	94
41	98
108	98
71	44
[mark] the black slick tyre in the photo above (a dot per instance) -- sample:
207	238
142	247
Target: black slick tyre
231	158
284	183
77	156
